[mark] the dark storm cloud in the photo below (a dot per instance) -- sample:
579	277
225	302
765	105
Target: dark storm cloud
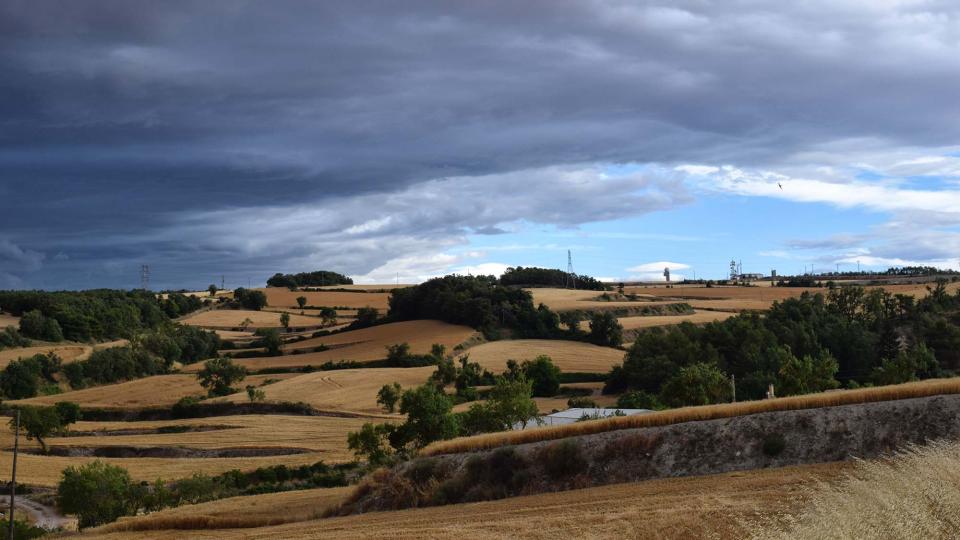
127	127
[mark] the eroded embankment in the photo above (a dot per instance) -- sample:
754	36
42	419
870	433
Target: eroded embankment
753	441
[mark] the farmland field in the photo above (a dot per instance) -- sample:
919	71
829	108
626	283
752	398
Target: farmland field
567	355
282	297
570	299
690	507
250	510
699	317
155	391
8	320
353	390
228	319
67	352
362	345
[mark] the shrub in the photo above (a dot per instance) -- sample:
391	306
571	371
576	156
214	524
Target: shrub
562	459
638	400
255	394
97	493
21	530
544	375
605	329
219	374
388	396
581	403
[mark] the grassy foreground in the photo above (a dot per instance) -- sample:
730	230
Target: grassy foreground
930	387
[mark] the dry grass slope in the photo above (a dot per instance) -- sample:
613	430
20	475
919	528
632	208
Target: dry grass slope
698	317
916	494
926	388
281	297
233	318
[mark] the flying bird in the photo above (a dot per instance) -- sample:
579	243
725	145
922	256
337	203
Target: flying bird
781	186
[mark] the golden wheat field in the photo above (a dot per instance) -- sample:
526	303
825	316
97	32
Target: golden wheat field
282	297
68	352
227	319
155	391
323	434
362	345
237	512
351	390
690	507
570	299
567	355
929	387
698	317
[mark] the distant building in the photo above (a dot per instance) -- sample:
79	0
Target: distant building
773	273
666	274
571	416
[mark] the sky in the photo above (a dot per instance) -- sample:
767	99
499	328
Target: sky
397	141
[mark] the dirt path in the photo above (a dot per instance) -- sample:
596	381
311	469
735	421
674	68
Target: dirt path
43	516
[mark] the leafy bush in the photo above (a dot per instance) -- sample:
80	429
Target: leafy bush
253	300
10	338
219	374
544	376
547	277
638	400
605	329
97	493
581	403
562	459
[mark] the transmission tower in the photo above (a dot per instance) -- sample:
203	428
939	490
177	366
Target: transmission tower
733	270
145	277
571	280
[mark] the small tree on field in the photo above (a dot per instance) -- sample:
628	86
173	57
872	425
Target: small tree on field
697	384
285	320
212	289
97	493
41	422
543	375
219	374
605	329
571	319
270	340
428	416
388	396
328	316
367	316
301	301
372	443
255	394
246	323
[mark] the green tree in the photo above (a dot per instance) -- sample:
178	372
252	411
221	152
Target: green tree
367	316
212	289
328	316
571	319
807	374
906	366
372	443
285	320
96	492
219	374
20	379
388	396
509	400
697	384
428	416
543	375
33	324
270	340
446	372
255	394
605	329
41	422
249	299
301	301
638	399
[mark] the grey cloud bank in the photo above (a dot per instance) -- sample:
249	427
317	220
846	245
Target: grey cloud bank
250	137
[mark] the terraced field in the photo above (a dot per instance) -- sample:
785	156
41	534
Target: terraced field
362	345
353	390
68	352
692	507
567	355
155	391
282	297
570	299
699	317
8	320
228	319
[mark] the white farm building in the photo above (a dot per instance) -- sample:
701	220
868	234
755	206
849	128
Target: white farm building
570	416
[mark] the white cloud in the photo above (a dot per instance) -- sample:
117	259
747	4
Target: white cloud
658	266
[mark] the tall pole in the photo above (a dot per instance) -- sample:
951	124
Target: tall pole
13	477
733	387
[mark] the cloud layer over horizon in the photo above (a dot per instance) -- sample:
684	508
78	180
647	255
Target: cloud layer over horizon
377	139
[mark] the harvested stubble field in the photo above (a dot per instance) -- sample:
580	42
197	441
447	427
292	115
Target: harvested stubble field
570	300
68	352
362	345
155	391
931	387
691	507
698	317
326	435
282	297
574	356
8	320
757	298
349	390
237	512
226	319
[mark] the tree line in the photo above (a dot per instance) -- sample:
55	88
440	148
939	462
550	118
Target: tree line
308	279
547	277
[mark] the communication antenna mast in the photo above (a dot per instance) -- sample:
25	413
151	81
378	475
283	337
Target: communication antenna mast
666	274
733	270
571	279
223	281
145	277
